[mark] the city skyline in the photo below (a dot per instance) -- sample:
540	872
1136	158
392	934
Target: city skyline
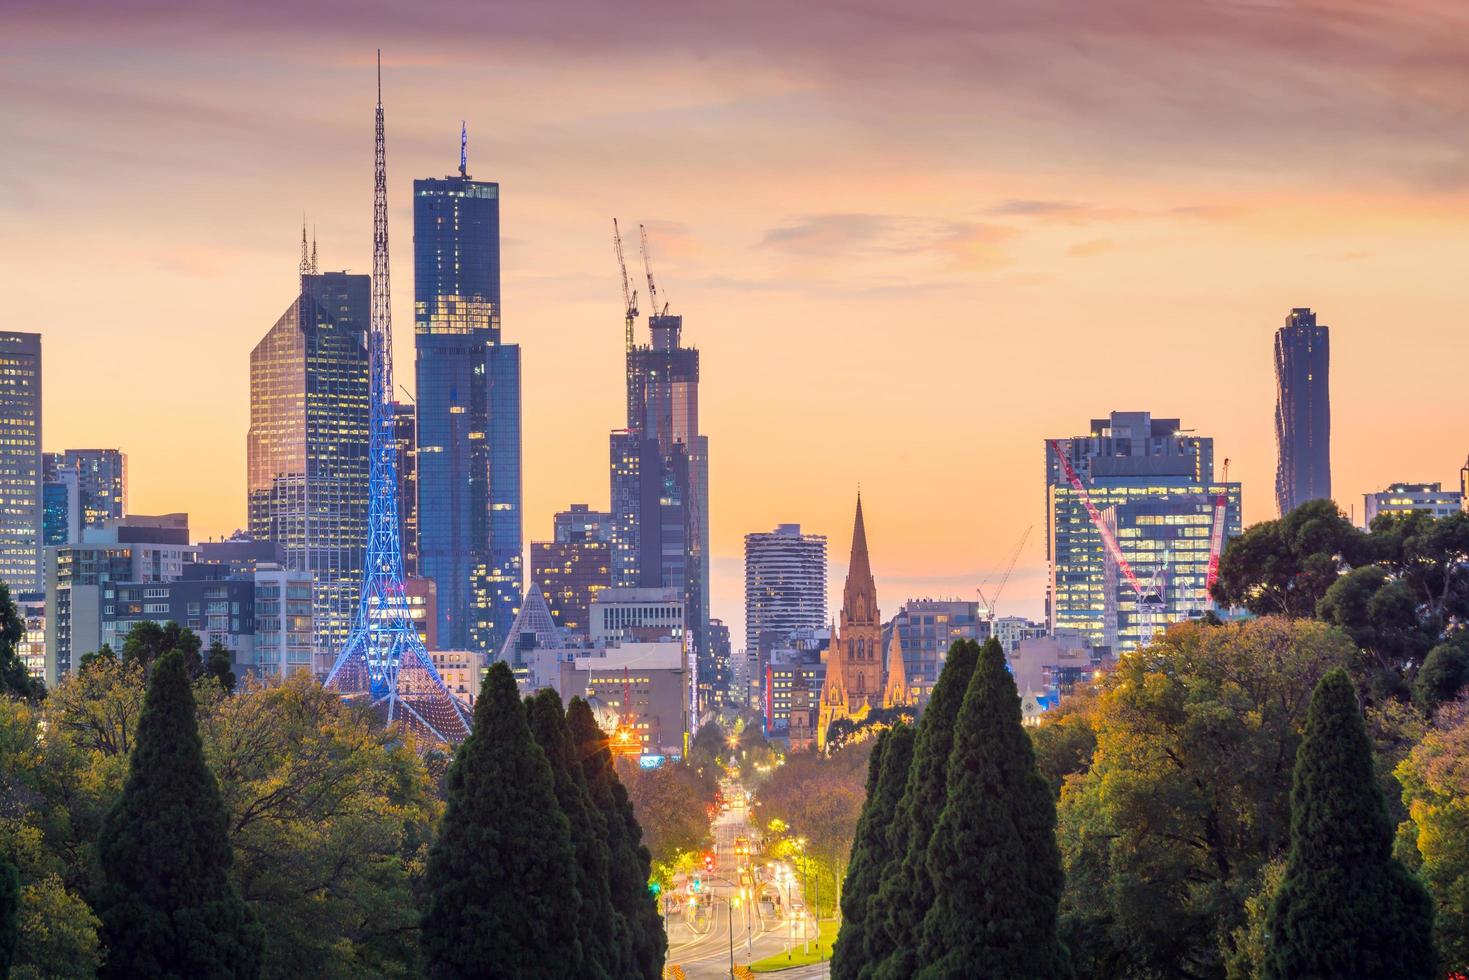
810	291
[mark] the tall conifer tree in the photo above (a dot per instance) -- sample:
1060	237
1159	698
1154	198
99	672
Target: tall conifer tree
631	864
993	859
166	903
887	776
1345	907
594	920
501	880
895	916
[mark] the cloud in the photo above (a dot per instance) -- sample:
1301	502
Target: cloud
1090	248
964	243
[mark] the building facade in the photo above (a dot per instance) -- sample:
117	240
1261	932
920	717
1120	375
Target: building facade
468	414
785	582
1408	498
102	481
1302	410
307	448
925	629
574	567
1126	461
405	445
22	505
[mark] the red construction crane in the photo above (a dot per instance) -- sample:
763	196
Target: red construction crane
629	297
1109	541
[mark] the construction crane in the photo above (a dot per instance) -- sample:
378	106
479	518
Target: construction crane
1109	540
629	296
648	269
990	601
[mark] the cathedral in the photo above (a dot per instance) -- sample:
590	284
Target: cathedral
858	678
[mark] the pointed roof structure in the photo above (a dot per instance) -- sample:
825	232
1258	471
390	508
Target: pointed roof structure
859	585
534	627
895	683
834	684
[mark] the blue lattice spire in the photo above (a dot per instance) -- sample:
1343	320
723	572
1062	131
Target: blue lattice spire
383	659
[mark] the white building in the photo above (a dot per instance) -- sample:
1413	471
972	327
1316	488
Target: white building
1407	498
785	582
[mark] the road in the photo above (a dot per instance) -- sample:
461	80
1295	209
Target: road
700	940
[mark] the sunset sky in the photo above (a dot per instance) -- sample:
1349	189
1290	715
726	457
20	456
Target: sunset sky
911	239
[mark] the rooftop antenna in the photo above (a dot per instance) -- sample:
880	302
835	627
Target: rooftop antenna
463	149
313	250
305	268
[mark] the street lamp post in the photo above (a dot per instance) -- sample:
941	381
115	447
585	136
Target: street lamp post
734	901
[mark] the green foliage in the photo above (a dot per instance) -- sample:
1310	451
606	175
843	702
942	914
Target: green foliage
1435	838
166	902
1246	961
673	804
848	731
1345	907
640	937
1187	797
501	881
218	666
1065	740
1284	567
1444	673
993	857
593	919
14	679
147	641
59	934
887	776
9	914
897	912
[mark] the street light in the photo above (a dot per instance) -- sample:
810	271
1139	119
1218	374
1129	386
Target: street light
734	902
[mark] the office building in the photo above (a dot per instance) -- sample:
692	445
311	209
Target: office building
1013	630
468	413
22	504
102	481
785	582
925	629
82	581
405	444
61	501
721	655
660	487
575	566
1152	485
1408	498
32	647
307	447
1302	411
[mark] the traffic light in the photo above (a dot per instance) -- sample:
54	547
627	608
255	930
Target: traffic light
697	885
708	862
655	887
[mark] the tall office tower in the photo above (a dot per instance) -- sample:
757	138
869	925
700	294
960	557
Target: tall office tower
22	504
308	443
405	442
575	566
1302	411
785	582
102	481
1142	490
468	400
660	487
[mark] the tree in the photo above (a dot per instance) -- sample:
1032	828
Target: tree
1284	567
993	857
1345	907
9	914
219	666
14	678
1065	740
640	934
593	920
166	903
1444	673
501	882
147	641
1187	796
906	892
887	776
673	804
1435	838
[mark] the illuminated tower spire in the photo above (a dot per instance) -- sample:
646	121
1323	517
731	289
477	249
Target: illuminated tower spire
463	149
384	660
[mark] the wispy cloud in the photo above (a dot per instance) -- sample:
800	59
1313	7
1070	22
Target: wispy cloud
961	243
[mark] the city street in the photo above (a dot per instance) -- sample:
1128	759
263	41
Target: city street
701	942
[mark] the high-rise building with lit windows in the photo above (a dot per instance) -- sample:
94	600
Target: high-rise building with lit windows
102	481
785	582
307	452
22	504
405	441
1151	483
576	565
468	414
1302	410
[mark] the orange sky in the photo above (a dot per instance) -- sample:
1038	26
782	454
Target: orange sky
911	240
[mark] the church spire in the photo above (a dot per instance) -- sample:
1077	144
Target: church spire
859	597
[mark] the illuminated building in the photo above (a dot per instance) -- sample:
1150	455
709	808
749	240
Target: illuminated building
21	500
468	413
61	495
307	447
1408	498
572	569
785	582
925	629
102	481
405	442
1152	483
32	647
1302	411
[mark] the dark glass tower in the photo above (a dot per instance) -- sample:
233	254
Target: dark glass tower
1302	411
468	404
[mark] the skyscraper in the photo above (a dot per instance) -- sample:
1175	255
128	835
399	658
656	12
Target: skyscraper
102	481
308	442
21	502
785	582
1302	411
575	566
468	402
660	486
405	443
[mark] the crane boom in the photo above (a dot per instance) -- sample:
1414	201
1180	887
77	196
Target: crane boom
991	602
648	270
629	297
1216	543
1109	541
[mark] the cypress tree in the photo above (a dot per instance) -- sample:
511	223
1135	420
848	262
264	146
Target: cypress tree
594	919
1345	907
887	776
895	916
631	866
501	878
993	859
166	903
9	914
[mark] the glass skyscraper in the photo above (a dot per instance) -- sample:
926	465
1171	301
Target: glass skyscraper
1302	411
468	408
21	504
307	452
